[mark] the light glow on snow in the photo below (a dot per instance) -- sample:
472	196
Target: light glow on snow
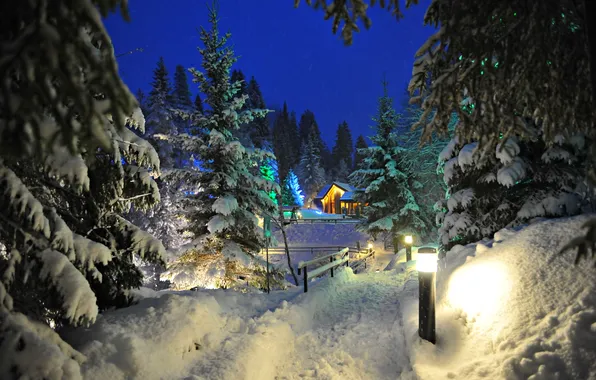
479	289
426	262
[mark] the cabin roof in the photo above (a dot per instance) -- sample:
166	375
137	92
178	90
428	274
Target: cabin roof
344	186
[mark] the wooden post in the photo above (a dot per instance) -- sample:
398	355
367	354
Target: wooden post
358	246
331	260
305	281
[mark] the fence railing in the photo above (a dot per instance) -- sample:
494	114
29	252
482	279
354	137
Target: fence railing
358	261
315	249
326	221
335	259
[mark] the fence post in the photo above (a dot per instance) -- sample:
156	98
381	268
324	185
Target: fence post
331	260
358	246
305	281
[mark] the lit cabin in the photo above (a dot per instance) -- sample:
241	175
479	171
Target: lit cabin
338	198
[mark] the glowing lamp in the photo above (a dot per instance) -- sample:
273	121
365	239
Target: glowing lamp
299	213
370	245
426	264
409	239
426	261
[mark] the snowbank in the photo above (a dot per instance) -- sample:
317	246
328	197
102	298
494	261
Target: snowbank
508	308
512	308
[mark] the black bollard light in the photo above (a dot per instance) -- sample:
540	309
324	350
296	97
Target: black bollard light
408	241
426	265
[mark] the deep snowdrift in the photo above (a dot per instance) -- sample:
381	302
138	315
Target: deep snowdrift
508	309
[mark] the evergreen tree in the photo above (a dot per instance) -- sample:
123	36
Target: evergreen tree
238	77
67	120
392	207
308	128
260	134
283	146
359	156
198	104
232	195
343	151
294	138
310	170
142	100
307	122
521	180
181	94
291	192
160	118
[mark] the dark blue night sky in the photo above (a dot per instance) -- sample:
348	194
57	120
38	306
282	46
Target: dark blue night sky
291	52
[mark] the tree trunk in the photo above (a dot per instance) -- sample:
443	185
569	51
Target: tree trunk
283	232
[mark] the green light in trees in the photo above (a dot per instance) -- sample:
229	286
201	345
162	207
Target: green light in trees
514	14
481	72
496	65
461	57
548	62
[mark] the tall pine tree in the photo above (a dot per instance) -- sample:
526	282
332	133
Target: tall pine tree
232	194
310	169
160	118
342	153
284	142
259	128
392	207
181	94
361	147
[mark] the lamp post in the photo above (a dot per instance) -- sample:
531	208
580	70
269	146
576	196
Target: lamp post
408	240
370	247
426	265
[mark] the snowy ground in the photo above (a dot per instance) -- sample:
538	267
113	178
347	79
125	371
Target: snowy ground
511	308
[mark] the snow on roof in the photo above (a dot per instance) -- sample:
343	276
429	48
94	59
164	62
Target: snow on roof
344	186
323	191
348	196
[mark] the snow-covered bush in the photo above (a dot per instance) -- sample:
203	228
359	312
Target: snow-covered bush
212	263
65	131
523	179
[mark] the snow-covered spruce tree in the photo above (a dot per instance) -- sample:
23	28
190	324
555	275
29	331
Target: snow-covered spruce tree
392	207
291	192
310	168
224	213
63	134
521	180
160	117
359	146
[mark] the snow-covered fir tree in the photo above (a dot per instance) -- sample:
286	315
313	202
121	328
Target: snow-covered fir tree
224	213
64	134
310	168
290	191
387	184
521	180
360	146
160	118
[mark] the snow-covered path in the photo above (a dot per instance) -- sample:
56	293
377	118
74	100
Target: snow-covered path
348	341
342	330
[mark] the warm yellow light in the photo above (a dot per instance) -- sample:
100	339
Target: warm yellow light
370	245
299	213
408	239
426	262
480	288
